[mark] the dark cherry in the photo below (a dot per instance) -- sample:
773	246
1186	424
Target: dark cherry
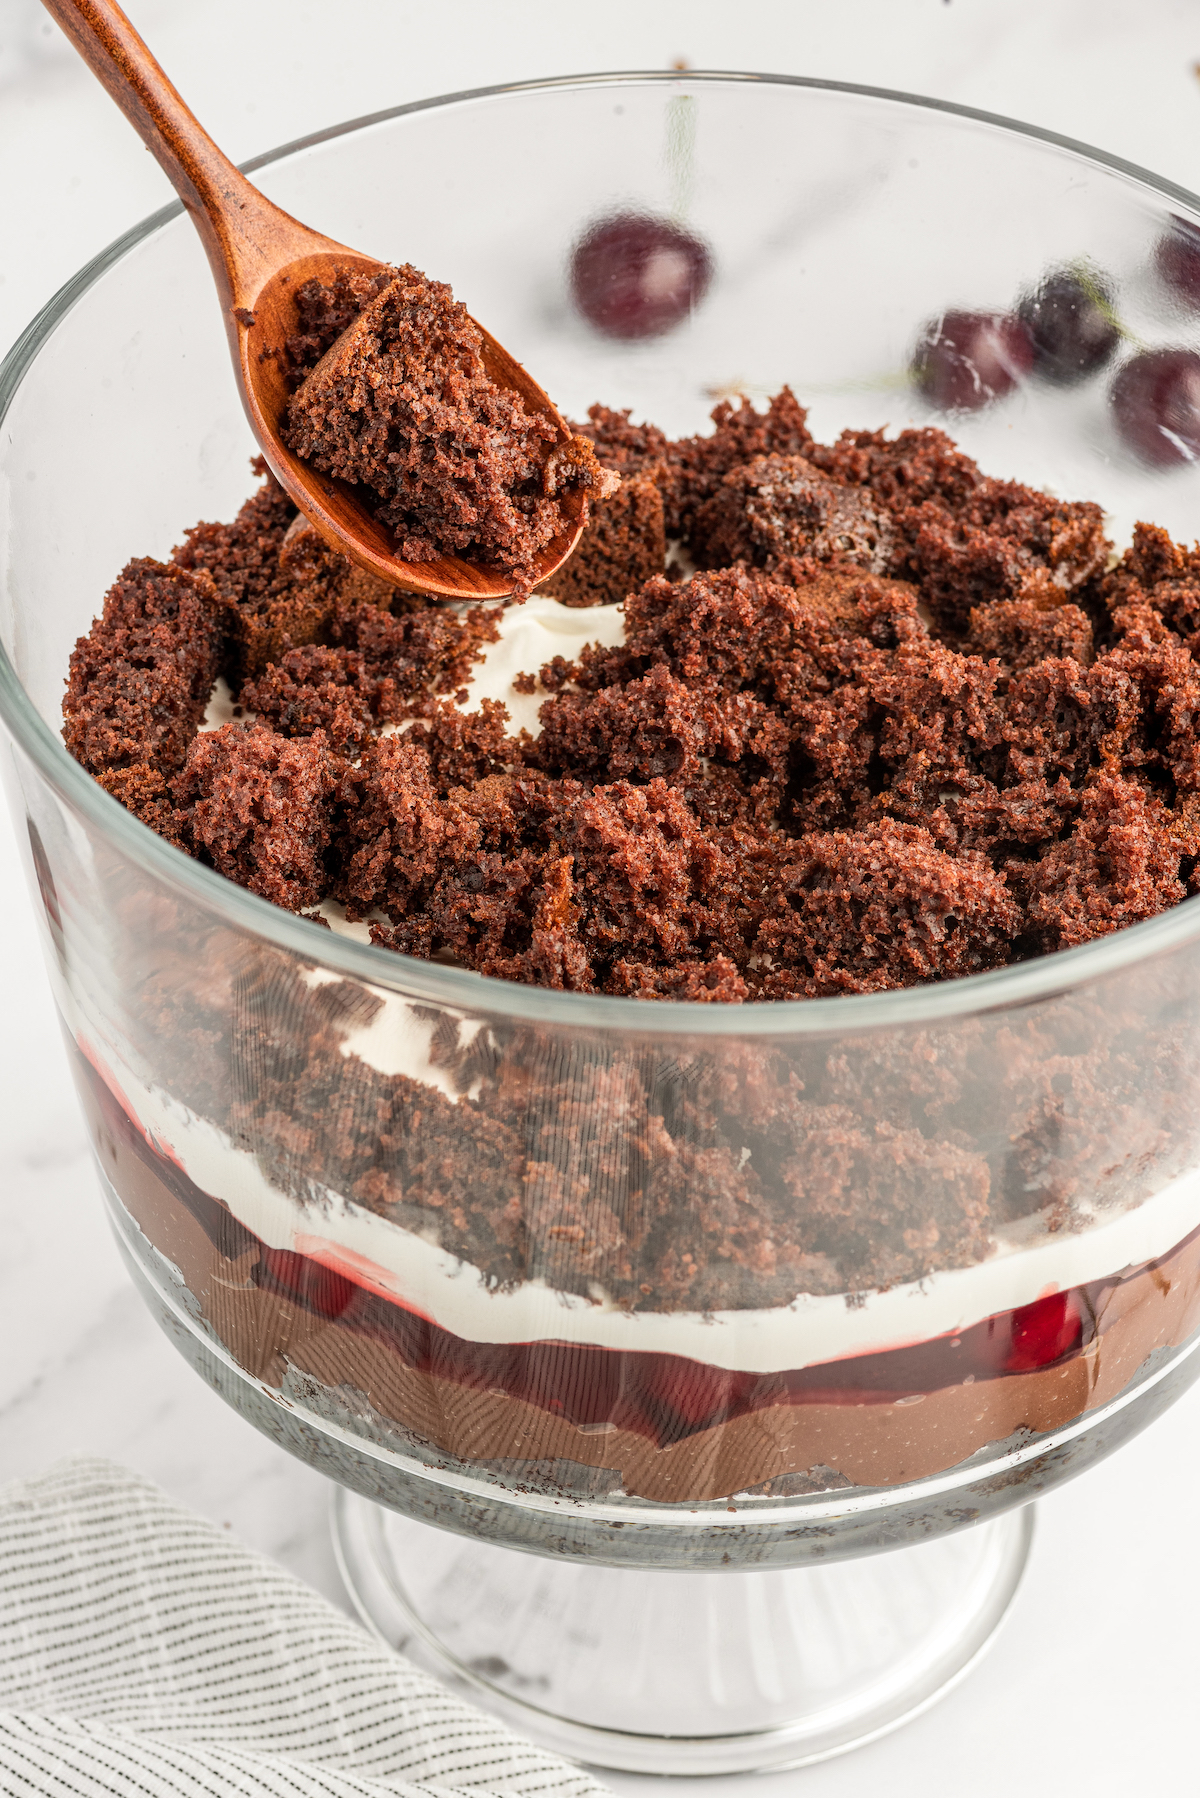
1070	320
634	275
1177	258
1156	406
965	360
306	1281
674	1392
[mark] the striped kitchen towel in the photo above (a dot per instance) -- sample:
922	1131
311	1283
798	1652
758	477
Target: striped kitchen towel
145	1654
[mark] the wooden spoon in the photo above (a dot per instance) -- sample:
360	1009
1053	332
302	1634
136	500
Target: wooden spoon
260	255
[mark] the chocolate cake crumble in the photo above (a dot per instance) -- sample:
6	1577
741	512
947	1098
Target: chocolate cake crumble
904	723
394	394
900	726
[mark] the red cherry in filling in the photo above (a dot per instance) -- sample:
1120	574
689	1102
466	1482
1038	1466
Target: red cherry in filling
693	1391
1156	406
1177	259
965	360
1043	1332
314	1286
636	276
690	1394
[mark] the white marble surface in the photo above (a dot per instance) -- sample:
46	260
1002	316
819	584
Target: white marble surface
1094	1677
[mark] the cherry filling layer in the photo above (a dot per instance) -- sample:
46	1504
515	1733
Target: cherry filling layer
662	1397
667	1397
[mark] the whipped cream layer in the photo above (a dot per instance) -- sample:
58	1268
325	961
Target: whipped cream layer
530	636
1027	1262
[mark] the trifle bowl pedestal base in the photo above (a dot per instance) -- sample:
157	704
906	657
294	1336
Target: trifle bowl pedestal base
664	1671
668	1639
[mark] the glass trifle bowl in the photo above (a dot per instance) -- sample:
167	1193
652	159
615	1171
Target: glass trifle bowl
704	1305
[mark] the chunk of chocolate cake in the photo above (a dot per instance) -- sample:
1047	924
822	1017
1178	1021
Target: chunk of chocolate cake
781	506
623	544
258	805
1020	632
281	581
140	680
402	403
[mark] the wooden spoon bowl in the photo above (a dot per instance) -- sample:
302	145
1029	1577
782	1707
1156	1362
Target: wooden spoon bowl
260	256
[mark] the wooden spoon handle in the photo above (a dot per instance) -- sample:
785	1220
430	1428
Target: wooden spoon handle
245	236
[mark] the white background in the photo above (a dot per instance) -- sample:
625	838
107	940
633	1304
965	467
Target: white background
1094	1681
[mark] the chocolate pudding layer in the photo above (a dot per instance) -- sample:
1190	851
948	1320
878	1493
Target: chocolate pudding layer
672	1429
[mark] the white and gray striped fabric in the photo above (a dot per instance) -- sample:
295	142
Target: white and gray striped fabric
146	1654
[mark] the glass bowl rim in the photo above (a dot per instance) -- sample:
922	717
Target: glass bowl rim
1023	983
